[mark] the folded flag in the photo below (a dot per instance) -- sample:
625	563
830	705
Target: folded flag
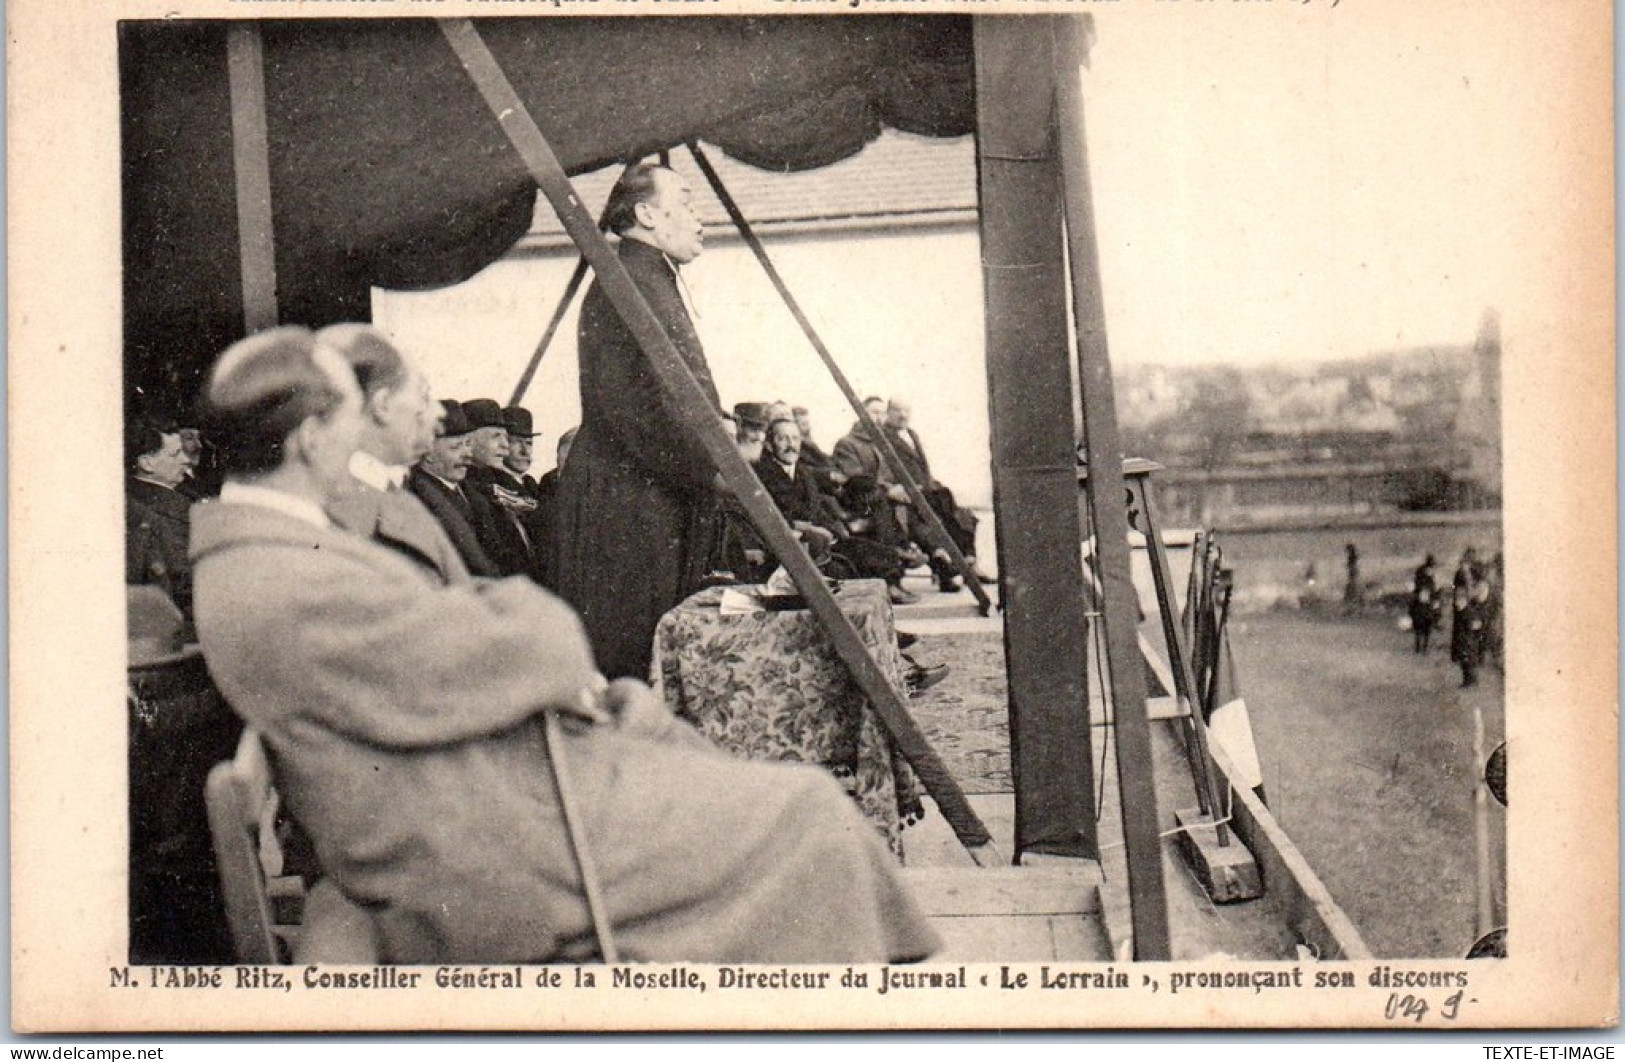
1229	726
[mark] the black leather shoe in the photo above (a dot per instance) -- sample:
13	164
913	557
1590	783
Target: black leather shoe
898	596
921	679
906	640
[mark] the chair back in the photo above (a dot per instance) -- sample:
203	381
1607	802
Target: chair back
271	916
242	806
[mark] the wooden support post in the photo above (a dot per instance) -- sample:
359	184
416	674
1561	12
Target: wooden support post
1104	456
697	413
1035	492
888	452
251	159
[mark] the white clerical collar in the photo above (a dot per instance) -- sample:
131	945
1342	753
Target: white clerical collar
374	473
238	493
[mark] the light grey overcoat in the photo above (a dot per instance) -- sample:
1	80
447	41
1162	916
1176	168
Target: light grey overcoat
403	718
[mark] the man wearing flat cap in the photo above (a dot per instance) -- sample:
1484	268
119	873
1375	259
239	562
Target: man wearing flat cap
501	509
638	508
437	480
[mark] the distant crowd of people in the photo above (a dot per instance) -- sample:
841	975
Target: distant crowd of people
1475	596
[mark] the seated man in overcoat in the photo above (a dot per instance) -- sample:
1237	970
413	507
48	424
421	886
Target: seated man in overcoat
407	726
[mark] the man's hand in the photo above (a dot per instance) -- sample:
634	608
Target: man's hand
638	710
627	700
898	493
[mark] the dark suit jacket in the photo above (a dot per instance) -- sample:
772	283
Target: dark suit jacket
507	540
856	454
455	511
959	522
547	526
820	465
400	521
403	719
798	498
156	529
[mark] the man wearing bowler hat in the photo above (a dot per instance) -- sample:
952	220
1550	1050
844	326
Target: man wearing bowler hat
547	507
437	480
500	509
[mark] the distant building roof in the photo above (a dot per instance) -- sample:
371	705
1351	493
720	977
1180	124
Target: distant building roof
898	179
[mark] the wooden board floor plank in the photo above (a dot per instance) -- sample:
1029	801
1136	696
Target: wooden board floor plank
1018	938
1038	890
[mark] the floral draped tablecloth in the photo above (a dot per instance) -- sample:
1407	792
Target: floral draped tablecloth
770	686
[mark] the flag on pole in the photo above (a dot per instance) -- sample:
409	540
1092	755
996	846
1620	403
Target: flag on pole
1229	725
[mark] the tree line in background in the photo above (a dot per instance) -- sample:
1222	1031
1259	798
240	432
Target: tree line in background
1418	413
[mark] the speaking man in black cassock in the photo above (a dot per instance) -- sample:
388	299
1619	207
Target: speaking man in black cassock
638	510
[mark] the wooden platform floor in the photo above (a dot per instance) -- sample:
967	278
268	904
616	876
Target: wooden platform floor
1039	913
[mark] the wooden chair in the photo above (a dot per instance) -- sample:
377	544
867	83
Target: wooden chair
272	919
